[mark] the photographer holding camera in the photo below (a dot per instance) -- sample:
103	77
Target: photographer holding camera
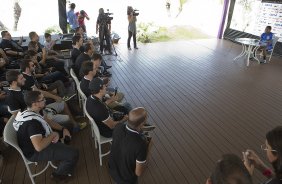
131	15
103	24
105	118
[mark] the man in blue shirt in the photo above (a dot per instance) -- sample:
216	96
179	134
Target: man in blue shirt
266	42
72	18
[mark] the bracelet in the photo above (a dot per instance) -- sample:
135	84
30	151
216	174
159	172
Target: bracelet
267	172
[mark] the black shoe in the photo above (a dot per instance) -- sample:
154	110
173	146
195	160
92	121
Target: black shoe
106	74
59	178
129	48
135	47
108	67
147	127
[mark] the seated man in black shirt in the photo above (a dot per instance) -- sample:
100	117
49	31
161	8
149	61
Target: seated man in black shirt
84	56
28	70
130	148
99	111
45	74
89	70
57	111
45	60
39	142
87	56
11	47
77	42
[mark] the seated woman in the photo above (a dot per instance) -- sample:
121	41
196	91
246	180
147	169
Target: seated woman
273	148
266	42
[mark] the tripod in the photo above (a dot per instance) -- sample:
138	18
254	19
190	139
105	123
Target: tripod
113	46
110	45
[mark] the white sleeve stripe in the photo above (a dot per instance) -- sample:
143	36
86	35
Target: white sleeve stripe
141	162
106	119
35	135
15	110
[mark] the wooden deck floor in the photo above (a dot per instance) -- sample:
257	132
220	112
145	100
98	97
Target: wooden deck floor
203	103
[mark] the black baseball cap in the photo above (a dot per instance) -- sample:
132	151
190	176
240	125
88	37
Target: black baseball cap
96	85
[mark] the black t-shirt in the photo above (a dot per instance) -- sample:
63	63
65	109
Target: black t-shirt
15	100
29	83
103	21
78	62
84	86
128	147
7	45
26	131
99	112
74	54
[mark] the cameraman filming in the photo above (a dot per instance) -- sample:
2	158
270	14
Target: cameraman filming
131	15
103	24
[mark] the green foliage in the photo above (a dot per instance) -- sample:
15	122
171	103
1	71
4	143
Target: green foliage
53	30
143	33
148	32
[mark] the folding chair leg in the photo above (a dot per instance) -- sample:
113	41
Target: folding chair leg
30	174
79	101
95	141
100	154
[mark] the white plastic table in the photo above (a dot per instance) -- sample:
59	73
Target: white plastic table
249	45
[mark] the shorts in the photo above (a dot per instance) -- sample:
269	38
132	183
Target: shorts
52	112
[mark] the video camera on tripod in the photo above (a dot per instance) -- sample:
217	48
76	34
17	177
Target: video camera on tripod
106	17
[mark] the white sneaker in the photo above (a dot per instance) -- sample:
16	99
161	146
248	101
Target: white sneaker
66	98
263	62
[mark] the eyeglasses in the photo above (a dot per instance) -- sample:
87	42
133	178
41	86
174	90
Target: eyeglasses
264	147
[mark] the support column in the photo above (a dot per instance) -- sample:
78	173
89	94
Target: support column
223	18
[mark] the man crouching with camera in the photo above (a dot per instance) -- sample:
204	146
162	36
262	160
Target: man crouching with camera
105	118
130	148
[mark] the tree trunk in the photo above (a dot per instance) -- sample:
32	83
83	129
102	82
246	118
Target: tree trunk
2	26
17	14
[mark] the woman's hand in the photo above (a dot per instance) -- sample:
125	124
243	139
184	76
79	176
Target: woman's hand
256	161
248	163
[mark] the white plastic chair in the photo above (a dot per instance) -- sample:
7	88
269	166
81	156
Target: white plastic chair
97	137
10	137
275	40
270	52
83	97
80	98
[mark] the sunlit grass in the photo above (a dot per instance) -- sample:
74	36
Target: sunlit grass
151	33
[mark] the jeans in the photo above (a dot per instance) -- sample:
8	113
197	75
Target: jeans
67	156
4	109
104	35
58	65
52	77
59	86
130	34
